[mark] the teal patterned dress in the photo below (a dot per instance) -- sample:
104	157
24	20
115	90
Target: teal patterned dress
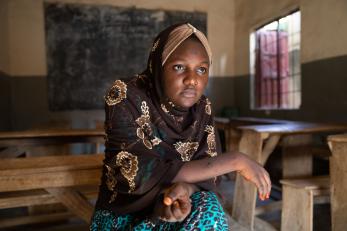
207	214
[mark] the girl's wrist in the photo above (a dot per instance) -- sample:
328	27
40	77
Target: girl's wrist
237	159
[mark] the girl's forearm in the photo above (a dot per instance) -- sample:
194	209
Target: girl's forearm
204	169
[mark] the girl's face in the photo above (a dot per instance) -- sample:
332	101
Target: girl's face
185	73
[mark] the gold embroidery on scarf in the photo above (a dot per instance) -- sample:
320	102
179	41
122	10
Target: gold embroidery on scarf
172	104
128	167
163	107
111	182
117	93
147	143
155	45
186	149
211	141
144	122
208	107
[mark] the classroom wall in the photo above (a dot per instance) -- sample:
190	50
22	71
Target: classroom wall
323	56
5	122
4	59
23	86
25	67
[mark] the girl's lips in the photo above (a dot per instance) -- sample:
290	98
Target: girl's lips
189	93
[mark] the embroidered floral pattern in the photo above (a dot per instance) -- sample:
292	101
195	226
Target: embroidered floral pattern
128	164
211	141
117	93
111	182
144	122
186	149
163	107
208	107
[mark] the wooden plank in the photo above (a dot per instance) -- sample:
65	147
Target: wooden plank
269	147
12	152
50	179
37	197
338	138
338	173
49	137
74	201
296	152
233	137
297	211
245	192
34	219
311	183
238	121
268	208
296	128
46	164
51	133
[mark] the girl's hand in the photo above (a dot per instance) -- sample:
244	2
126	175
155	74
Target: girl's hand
254	172
176	204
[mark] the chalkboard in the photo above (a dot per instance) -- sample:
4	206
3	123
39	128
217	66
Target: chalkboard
90	46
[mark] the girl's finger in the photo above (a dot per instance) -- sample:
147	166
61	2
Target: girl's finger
176	211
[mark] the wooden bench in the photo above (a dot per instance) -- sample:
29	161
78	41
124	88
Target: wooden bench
69	180
298	201
338	175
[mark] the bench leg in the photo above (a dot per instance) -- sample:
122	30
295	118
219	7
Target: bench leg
297	210
74	201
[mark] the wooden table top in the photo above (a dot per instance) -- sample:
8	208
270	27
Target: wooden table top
239	121
51	133
338	138
296	128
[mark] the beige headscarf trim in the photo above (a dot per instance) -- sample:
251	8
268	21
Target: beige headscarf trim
178	35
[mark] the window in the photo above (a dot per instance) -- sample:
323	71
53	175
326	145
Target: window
275	64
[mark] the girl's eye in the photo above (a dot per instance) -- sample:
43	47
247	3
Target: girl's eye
178	67
201	70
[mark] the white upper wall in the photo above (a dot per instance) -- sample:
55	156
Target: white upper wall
27	36
323	27
324	30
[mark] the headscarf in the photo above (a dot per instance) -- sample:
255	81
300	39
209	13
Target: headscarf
148	138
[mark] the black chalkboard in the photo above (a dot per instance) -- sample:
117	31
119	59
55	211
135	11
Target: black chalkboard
90	46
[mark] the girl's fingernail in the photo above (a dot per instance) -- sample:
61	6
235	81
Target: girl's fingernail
167	201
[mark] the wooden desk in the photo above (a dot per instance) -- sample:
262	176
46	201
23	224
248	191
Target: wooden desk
259	141
338	179
231	125
16	141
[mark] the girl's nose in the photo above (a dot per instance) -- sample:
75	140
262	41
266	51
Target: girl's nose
191	79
